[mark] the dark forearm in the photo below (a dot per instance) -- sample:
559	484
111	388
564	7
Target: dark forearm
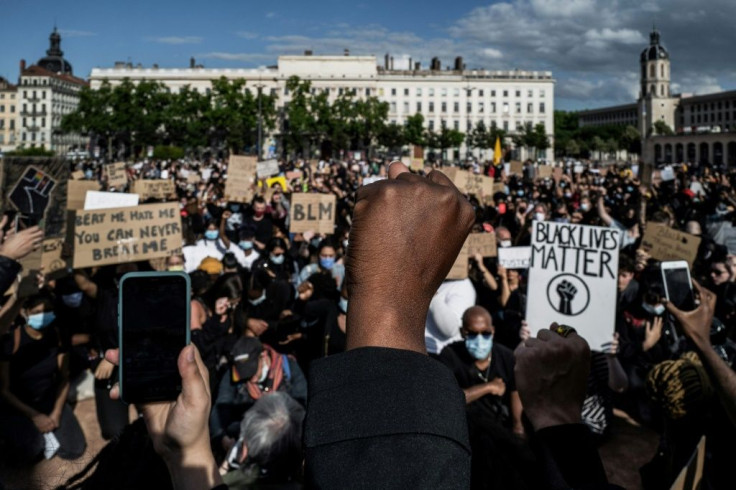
723	377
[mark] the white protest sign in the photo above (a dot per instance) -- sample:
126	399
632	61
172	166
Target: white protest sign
514	257
267	168
572	277
108	200
668	174
206	174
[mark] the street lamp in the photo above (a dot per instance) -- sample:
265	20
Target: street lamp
260	123
468	126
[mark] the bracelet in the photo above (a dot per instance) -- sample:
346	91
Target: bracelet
563	330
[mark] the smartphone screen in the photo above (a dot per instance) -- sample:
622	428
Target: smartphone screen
154	328
679	288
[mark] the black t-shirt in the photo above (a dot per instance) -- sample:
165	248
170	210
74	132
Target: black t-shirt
34	368
456	357
262	230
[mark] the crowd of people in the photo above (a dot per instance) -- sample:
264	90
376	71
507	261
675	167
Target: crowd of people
268	305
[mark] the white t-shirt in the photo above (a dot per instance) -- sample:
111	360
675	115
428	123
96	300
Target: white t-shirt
445	315
195	254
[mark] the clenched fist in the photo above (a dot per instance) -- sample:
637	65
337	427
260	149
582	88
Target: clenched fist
406	234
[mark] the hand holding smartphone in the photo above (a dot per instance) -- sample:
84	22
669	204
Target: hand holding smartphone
153	327
678	285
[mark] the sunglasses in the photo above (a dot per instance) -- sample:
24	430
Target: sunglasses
473	335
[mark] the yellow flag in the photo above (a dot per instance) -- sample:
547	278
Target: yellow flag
497	152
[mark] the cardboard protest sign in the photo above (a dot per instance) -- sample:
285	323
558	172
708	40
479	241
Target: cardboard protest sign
544	172
417	164
267	168
240	173
573	276
557	173
406	161
516	167
514	257
52	260
32	193
664	243
77	192
115	236
470	183
276	180
460	267
295	174
691	476
312	212
109	200
116	175
77	175
193	178
578	169
481	243
154	189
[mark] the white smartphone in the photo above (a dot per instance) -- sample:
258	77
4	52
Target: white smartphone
678	287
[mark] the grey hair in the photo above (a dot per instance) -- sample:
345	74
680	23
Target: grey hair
272	430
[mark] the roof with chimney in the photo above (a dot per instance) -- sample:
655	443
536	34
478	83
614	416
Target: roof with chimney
38	71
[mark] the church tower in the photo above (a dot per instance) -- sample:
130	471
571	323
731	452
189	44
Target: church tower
655	101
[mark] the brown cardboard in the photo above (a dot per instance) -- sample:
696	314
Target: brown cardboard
516	167
117	176
664	243
313	212
76	192
460	267
52	260
115	236
544	172
481	243
470	183
77	175
240	174
154	189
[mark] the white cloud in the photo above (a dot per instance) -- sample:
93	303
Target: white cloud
270	15
491	53
246	57
178	40
75	33
697	84
247	35
622	36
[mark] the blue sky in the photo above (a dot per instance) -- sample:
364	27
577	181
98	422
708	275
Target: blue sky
591	46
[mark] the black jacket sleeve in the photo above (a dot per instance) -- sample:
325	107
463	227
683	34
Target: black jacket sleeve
385	418
9	270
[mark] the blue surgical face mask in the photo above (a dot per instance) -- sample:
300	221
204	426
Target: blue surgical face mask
258	300
211	234
235	208
72	300
343	304
277	259
315	242
245	244
88	174
327	262
479	346
653	310
38	321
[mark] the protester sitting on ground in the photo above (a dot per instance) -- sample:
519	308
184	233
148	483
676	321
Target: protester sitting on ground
34	383
269	448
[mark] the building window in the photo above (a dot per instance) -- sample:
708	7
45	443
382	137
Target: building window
530	93
456	107
443	123
469	126
505	125
469	107
431	107
530	107
518	93
456	92
518	107
444	107
393	106
431	92
25	126
505	107
406	107
419	91
444	92
406	91
393	91
339	91
541	107
480	92
480	108
505	93
43	94
493	107
367	92
43	122
456	125
2	108
431	125
419	107
493	93
12	124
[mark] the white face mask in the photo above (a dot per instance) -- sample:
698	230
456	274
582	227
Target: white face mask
539	216
505	243
264	373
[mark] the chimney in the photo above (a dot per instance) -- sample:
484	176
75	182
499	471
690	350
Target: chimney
307	52
385	62
22	65
410	63
392	63
418	65
347	52
459	63
436	65
192	63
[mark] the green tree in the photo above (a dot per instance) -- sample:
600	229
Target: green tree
480	137
370	121
414	131
392	138
232	116
661	128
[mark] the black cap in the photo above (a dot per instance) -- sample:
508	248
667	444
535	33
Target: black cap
245	355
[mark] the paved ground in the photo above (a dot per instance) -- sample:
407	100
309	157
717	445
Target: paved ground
630	447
